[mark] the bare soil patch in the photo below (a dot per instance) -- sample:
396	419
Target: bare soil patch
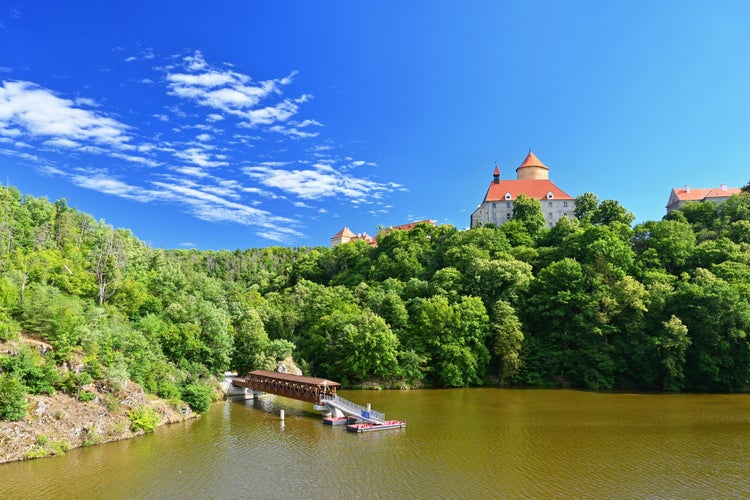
54	424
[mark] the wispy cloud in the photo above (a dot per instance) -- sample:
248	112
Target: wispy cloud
193	151
232	92
320	181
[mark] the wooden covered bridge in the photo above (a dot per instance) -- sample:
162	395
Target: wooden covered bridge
319	391
311	389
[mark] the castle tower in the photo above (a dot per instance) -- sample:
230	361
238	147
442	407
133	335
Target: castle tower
532	168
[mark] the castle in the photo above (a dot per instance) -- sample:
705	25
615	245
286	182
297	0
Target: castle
532	180
680	196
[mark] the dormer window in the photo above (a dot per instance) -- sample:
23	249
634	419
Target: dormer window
550	195
508	196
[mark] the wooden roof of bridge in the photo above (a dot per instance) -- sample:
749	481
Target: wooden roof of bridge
299	379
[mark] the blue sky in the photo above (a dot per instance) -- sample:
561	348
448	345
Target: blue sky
238	124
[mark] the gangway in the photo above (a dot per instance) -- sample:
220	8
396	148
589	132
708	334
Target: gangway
334	401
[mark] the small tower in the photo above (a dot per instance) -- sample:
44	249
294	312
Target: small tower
496	175
344	236
532	168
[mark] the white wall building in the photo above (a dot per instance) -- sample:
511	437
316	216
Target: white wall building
532	180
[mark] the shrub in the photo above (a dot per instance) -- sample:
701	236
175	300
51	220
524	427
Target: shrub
47	448
168	390
37	373
86	396
12	398
116	374
198	396
9	329
143	419
111	403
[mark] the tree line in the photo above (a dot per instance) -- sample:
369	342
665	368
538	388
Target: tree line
592	302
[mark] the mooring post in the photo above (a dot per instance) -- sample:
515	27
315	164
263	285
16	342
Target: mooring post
281	414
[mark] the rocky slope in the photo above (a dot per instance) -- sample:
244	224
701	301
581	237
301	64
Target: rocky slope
54	424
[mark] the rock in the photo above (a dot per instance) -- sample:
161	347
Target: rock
41	408
288	366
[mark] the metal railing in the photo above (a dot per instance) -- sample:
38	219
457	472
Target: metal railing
353	408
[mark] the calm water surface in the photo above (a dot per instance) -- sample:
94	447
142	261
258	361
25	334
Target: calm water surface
459	443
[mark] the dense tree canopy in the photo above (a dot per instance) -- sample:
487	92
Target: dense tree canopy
591	302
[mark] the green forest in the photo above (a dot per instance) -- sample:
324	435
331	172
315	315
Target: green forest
594	302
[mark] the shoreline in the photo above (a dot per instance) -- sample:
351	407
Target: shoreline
58	423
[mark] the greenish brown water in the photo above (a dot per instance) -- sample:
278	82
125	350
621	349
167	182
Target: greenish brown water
459	443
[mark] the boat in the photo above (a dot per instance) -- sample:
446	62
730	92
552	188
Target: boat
369	426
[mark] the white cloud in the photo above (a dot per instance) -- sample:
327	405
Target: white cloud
190	171
308	123
200	157
85	101
106	184
233	93
322	181
293	132
40	113
62	142
276	236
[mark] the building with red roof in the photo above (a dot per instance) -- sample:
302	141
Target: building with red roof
532	180
346	235
680	196
405	227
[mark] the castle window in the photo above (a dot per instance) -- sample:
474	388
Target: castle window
565	203
550	215
508	196
550	195
507	215
550	203
508	205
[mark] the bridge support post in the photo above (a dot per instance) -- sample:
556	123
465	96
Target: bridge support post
329	412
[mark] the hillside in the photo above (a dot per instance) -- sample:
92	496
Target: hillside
592	302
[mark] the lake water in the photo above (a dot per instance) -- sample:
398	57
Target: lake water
458	443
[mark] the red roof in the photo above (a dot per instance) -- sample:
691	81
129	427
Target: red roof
532	161
410	225
700	194
345	232
533	188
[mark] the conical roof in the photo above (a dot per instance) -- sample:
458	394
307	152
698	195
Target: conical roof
532	161
345	232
